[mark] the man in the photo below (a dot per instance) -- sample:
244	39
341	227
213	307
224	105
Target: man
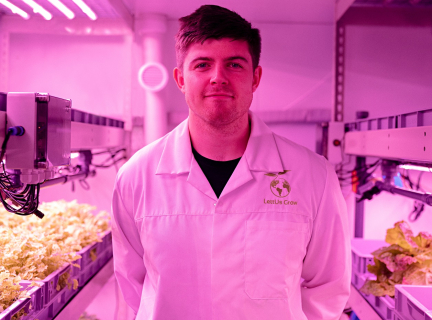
221	218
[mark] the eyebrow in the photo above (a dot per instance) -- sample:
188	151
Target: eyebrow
227	59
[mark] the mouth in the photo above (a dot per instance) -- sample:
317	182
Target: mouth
219	95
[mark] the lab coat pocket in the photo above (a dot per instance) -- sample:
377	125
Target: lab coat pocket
274	252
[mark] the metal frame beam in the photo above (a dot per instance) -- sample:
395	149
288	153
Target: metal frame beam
406	144
85	136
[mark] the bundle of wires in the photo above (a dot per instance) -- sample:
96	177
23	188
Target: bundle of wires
418	206
21	202
356	175
24	202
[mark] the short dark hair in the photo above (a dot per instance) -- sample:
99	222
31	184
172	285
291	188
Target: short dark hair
215	22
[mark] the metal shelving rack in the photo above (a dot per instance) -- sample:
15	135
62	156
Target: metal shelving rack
403	137
88	131
79	303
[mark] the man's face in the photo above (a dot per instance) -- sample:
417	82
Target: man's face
218	80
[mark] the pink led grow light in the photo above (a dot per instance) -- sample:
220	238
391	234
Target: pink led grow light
38	9
65	10
15	9
86	9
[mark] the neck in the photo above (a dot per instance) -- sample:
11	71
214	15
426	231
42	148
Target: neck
222	142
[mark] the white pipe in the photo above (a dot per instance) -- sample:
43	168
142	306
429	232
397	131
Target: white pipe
152	28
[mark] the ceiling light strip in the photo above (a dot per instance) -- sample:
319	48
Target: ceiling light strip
86	9
38	9
65	10
15	9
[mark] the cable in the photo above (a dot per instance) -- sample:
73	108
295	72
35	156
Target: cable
418	206
111	164
108	151
110	158
366	167
3	148
12	131
84	184
417	211
24	202
361	171
418	180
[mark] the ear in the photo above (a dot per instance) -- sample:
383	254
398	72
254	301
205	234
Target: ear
179	79
256	78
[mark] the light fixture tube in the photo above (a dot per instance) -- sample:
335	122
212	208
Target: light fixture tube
86	9
15	9
65	10
413	167
38	9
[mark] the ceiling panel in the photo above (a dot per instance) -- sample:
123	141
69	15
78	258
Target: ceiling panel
319	11
102	8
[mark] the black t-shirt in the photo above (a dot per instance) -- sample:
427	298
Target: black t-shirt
216	172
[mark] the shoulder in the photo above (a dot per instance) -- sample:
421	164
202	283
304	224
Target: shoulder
143	161
299	156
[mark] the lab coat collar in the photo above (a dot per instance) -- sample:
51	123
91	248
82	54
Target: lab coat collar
261	152
177	154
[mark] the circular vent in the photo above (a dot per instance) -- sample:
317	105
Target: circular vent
153	76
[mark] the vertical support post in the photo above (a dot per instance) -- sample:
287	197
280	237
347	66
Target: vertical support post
325	140
339	72
361	176
359	205
155	121
127	103
127	106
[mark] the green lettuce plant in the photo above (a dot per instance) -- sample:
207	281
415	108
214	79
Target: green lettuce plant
408	260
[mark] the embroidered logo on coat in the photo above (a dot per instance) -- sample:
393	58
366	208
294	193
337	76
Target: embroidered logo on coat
279	186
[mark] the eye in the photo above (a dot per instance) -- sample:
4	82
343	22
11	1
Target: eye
201	65
235	65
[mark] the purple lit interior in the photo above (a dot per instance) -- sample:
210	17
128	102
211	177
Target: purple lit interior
388	70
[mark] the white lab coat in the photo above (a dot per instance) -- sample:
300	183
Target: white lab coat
255	253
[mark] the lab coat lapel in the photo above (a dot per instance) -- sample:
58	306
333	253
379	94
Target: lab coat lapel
199	180
177	158
261	154
240	176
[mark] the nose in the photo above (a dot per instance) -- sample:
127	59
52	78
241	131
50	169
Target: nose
219	75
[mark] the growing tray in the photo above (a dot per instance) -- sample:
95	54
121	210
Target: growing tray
414	302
